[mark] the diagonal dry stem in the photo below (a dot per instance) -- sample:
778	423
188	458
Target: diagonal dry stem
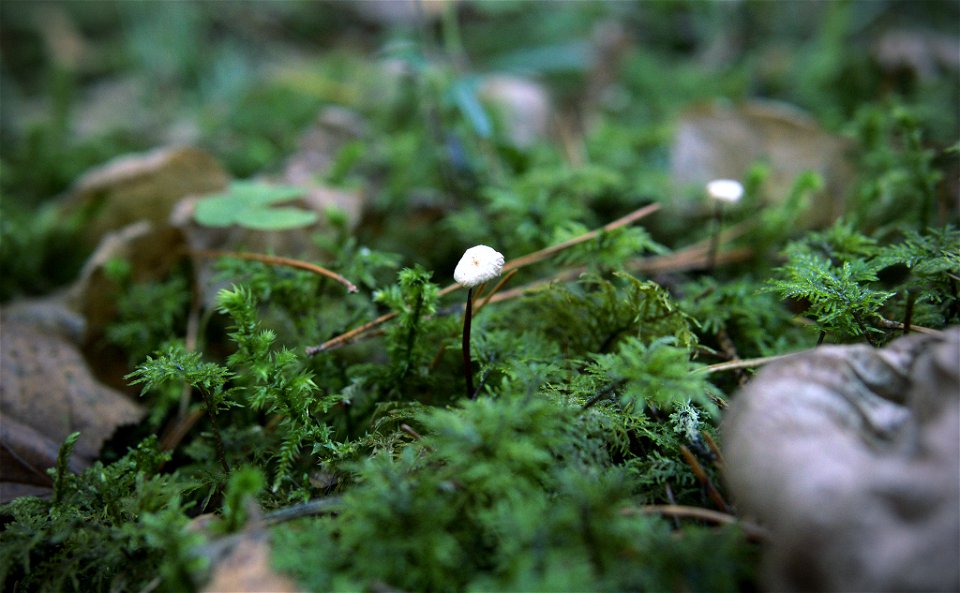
743	363
281	261
675	510
547	252
526	260
703	478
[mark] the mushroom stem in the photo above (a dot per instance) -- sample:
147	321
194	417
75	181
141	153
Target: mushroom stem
467	363
715	235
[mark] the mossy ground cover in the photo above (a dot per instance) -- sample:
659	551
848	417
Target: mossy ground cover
587	457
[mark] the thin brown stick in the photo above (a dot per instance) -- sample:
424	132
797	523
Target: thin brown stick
688	512
734	232
670	498
175	433
496	289
691	257
346	337
27	464
703	478
281	261
890	324
526	260
546	252
410	431
675	262
720	462
743	363
677	510
730	349
190	342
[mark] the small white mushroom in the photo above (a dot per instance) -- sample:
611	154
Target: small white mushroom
478	265
725	190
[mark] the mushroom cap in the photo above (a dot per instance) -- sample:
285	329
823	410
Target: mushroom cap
478	265
725	190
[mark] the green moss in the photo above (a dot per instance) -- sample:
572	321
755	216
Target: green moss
592	388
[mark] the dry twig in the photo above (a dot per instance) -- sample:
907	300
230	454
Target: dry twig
281	261
526	260
703	478
675	510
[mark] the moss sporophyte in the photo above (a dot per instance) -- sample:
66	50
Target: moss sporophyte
479	264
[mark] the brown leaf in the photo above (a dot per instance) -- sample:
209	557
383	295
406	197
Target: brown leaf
139	187
715	141
246	567
48	392
851	457
124	207
152	251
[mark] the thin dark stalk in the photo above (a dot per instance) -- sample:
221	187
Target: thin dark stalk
311	508
718	455
823	334
467	363
715	235
954	309
908	314
704	479
673	502
863	328
412	335
217	439
603	393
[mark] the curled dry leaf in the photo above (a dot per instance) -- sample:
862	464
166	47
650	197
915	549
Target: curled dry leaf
140	187
123	208
851	457
46	393
245	566
152	251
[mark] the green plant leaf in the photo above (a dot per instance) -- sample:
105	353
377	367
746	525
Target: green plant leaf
248	204
464	93
275	219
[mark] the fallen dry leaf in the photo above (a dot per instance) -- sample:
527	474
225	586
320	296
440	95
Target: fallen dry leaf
245	567
139	187
124	207
151	251
851	457
48	392
715	141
